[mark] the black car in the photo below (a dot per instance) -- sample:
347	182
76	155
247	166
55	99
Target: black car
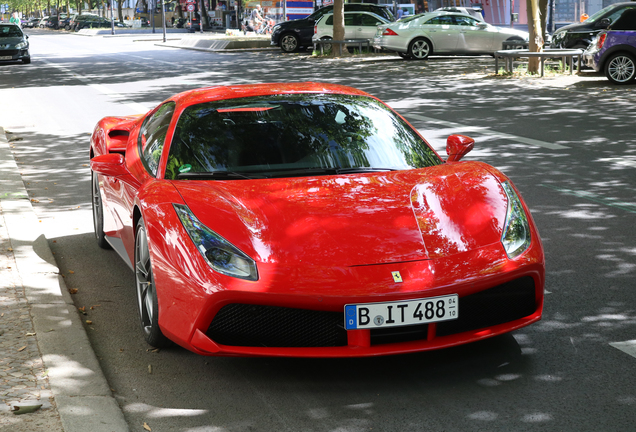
14	44
291	35
580	35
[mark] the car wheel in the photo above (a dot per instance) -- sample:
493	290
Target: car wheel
26	61
289	43
420	49
620	68
146	291
98	213
521	42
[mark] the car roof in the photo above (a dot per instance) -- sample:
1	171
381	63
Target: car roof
211	94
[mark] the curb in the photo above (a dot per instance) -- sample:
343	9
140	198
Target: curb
81	393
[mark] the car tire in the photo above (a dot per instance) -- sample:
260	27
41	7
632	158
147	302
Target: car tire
620	68
289	43
98	213
146	292
420	49
522	43
26	60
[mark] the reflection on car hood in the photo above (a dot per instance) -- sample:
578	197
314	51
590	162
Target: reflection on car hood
351	220
11	41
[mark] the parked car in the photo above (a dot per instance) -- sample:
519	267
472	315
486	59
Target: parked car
43	21
78	18
475	12
65	23
93	22
14	44
30	23
443	33
613	51
295	34
309	220
358	25
580	35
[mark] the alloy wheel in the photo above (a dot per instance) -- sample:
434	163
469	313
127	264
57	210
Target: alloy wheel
621	69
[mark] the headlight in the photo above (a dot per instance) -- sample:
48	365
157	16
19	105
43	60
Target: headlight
275	28
516	233
222	256
22	45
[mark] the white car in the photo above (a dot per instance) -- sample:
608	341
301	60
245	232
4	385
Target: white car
443	33
358	25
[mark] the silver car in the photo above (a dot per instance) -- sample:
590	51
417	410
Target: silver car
14	45
358	25
443	33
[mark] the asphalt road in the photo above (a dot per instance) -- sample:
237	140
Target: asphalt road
567	143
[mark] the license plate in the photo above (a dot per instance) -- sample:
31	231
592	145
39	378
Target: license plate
6	57
401	313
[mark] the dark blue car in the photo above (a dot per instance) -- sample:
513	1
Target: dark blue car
614	50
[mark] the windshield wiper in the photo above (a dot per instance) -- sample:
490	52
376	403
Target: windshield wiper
215	175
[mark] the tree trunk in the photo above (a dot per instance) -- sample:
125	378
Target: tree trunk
338	27
120	11
204	15
536	35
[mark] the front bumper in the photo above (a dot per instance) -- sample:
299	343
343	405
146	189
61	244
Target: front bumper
300	312
14	55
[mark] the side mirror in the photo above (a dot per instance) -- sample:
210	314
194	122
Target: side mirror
603	23
112	165
457	146
482	26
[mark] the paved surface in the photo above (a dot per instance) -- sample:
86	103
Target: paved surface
46	358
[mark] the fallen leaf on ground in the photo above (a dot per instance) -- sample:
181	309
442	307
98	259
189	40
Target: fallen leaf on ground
22	349
26	409
147	427
73	290
89	322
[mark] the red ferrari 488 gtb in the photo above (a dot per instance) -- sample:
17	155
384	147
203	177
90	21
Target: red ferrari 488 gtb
309	219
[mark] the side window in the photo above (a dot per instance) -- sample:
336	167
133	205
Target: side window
465	21
329	21
351	19
370	20
152	136
441	20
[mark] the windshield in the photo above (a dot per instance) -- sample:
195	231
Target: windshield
290	135
618	10
10	31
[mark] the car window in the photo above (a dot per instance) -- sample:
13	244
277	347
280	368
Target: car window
465	21
271	135
329	20
10	31
351	19
441	20
627	21
616	14
369	20
152	136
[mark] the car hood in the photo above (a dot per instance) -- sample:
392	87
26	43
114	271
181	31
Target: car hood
11	41
355	220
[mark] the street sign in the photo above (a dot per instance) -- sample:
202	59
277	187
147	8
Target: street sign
190	7
191	1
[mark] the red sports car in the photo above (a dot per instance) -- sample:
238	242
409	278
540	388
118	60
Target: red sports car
309	220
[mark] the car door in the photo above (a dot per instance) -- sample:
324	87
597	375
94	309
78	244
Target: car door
367	25
474	37
442	31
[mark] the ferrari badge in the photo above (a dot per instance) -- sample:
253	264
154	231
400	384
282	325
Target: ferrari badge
397	277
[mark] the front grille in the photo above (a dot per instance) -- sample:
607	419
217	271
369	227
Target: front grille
8	52
498	305
272	326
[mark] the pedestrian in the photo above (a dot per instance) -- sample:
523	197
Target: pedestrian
14	19
400	12
256	16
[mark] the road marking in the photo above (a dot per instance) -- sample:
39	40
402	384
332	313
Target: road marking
595	198
628	347
490	132
135	106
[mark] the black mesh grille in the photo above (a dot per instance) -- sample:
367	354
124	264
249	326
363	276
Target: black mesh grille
498	305
272	326
8	52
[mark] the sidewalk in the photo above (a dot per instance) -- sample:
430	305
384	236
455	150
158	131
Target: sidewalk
45	356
